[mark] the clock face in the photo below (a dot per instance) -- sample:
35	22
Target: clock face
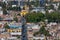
23	12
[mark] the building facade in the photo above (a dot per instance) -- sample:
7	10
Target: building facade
56	0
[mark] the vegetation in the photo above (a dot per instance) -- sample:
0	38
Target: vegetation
14	8
53	17
35	3
18	37
4	8
42	31
16	19
18	14
35	17
50	7
59	7
32	2
6	26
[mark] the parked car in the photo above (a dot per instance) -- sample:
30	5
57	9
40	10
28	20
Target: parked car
38	9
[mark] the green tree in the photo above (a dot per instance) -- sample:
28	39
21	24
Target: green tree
16	19
50	7
9	8
18	37
32	2
6	26
35	17
59	7
53	17
42	31
37	3
14	8
4	8
36	33
4	11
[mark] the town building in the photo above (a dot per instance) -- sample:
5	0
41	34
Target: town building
56	0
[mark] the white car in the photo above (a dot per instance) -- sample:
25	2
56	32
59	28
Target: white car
35	10
38	10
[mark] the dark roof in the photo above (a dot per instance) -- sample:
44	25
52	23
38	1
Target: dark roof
14	2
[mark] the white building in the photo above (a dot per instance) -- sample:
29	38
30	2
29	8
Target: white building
42	37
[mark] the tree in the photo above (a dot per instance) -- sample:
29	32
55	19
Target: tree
35	17
43	31
5	12
37	3
16	19
18	14
50	7
59	7
53	17
9	8
14	8
4	8
18	37
32	2
36	33
6	26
